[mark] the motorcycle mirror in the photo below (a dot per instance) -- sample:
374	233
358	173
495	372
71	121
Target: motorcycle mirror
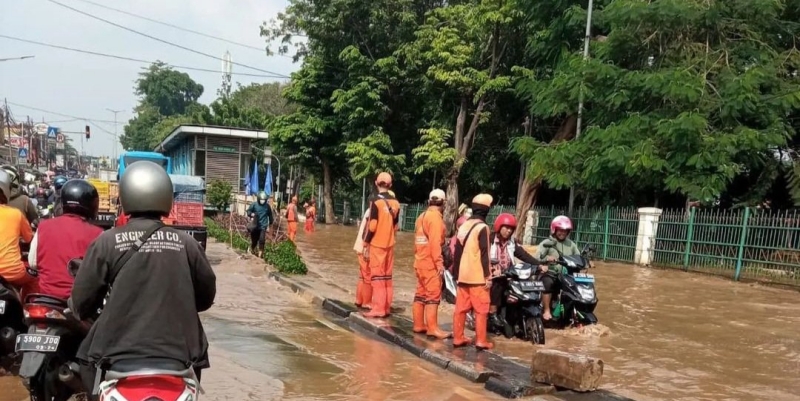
73	266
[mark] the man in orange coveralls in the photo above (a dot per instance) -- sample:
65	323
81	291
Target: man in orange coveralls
429	232
471	268
311	215
364	286
291	218
379	242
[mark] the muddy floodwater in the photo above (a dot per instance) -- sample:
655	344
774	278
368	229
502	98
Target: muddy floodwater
664	334
268	343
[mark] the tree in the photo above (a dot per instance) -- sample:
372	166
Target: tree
463	52
219	194
681	97
266	98
167	98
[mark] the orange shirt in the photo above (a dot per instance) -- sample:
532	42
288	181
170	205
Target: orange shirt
429	234
384	213
291	213
311	212
14	226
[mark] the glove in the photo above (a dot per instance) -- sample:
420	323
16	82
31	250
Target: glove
365	253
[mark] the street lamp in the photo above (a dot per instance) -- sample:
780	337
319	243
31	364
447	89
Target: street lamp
268	156
116	142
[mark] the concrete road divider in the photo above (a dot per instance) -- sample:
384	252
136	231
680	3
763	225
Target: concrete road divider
551	370
564	370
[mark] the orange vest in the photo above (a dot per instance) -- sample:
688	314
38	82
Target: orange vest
383	228
470	271
428	240
291	213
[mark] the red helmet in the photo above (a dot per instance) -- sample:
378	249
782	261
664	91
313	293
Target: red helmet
560	223
461	220
505	219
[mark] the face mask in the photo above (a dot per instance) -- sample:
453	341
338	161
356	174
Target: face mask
261	201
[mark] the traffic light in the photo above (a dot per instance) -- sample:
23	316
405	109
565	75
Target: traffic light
88	132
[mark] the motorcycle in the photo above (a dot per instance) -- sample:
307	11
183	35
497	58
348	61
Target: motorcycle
576	304
150	379
49	369
11	314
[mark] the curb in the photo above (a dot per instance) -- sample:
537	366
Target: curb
498	383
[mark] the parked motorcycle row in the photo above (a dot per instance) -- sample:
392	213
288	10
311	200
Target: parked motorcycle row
41	336
521	311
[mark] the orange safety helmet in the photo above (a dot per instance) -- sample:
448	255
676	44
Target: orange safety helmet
384	180
505	219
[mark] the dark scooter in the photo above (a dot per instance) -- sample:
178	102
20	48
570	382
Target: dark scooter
49	367
576	304
521	310
11	316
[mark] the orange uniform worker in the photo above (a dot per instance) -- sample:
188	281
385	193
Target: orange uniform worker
311	215
364	286
13	228
379	241
429	233
291	218
471	268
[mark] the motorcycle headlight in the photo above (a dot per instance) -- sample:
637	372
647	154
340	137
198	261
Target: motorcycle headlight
524	274
586	293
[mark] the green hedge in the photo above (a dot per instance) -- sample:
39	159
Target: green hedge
282	255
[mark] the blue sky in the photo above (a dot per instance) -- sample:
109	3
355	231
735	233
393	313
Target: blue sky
85	86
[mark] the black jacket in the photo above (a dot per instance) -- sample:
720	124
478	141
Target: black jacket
152	309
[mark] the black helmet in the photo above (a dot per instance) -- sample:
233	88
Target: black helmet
81	198
59	182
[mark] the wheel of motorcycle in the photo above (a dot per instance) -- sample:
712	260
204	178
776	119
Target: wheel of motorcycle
535	329
47	388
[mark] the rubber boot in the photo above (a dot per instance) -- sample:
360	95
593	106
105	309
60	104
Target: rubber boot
481	335
378	300
432	320
366	296
359	293
419	317
459	322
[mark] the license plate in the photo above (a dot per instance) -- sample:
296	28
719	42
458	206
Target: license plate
584	278
584	275
2	307
38	343
531	285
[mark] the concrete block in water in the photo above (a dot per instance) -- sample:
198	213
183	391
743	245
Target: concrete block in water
570	371
469	371
435	358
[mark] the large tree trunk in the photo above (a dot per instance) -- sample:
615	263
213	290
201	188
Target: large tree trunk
530	187
327	192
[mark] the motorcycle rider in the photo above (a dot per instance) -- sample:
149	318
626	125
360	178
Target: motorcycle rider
471	270
51	250
58	183
17	198
13	226
559	241
262	213
503	251
429	266
155	278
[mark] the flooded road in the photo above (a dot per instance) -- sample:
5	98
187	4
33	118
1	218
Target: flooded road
268	343
665	335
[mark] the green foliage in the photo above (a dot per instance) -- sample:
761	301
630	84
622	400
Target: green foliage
283	255
219	194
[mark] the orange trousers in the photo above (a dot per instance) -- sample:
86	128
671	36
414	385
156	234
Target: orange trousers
291	228
381	265
472	297
429	285
309	225
364	287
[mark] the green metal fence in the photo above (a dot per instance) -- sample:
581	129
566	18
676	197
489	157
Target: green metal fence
612	231
412	212
746	243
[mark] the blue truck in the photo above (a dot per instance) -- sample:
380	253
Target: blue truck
127	158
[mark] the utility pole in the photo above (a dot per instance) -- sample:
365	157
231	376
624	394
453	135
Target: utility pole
8	131
116	142
580	101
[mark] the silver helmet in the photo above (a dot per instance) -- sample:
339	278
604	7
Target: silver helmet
145	187
5	184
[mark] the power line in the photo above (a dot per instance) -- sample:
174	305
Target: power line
130	58
60	114
173	26
161	40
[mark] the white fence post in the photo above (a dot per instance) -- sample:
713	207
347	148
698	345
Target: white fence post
646	235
